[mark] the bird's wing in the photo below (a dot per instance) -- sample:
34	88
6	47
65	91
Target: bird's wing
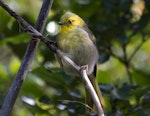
91	36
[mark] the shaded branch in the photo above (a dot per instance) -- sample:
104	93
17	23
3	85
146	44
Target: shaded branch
28	28
136	49
126	63
28	57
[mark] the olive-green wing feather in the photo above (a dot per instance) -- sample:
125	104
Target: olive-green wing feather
91	36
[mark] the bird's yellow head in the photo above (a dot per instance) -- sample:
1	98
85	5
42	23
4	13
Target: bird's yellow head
70	21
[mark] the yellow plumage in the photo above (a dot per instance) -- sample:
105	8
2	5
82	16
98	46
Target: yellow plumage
78	43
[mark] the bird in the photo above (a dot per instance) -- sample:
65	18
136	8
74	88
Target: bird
78	43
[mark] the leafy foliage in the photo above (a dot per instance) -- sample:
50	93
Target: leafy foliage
122	34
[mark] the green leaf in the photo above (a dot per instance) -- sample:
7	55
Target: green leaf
17	39
51	76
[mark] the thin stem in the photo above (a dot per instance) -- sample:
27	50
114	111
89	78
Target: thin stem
128	60
127	64
89	86
129	75
136	49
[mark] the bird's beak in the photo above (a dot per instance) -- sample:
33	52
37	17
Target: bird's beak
61	23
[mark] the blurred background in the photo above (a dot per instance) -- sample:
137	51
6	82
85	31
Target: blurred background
122	31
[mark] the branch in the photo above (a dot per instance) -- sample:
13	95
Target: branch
30	29
28	57
90	88
51	45
127	61
137	48
82	71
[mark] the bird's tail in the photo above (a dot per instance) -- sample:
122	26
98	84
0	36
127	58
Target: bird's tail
89	100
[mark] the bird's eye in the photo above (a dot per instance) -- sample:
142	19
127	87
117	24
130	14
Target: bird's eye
69	21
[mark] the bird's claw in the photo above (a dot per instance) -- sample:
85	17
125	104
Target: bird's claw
84	67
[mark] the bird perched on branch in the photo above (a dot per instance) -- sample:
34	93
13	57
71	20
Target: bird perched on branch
77	42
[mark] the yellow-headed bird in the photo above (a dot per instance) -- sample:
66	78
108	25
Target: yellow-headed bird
78	43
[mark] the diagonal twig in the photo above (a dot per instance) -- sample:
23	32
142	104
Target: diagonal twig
28	28
137	48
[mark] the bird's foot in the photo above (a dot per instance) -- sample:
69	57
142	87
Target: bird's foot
84	67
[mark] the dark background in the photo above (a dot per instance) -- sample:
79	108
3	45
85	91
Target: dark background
122	33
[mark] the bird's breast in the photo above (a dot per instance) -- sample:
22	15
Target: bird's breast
79	47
